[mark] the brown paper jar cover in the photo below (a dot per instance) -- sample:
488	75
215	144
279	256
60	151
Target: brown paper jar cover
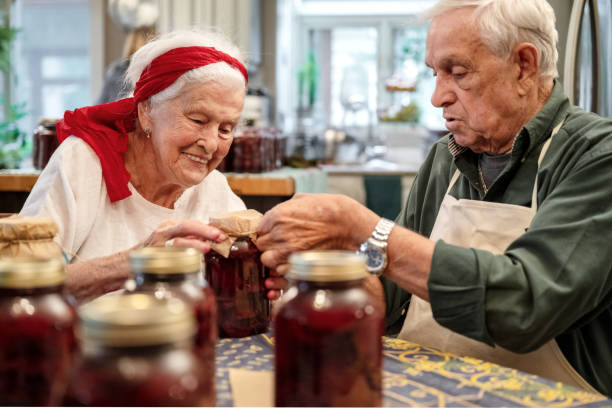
28	236
235	224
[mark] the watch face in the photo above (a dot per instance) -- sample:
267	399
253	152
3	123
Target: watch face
374	258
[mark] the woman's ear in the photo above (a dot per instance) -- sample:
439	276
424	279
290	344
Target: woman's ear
526	58
144	115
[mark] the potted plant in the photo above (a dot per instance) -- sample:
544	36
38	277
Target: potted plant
13	142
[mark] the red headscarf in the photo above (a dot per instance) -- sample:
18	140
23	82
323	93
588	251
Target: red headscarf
105	127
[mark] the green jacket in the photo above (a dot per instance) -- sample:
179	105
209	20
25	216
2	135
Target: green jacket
554	281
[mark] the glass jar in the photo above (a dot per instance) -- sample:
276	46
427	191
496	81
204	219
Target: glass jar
137	350
247	151
328	346
36	332
238	283
44	143
175	272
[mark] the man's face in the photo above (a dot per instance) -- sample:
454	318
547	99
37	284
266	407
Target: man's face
475	89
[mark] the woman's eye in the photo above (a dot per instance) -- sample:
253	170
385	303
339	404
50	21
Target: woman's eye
198	121
226	132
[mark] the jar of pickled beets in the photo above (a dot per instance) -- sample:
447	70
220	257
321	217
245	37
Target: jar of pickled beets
238	283
36	332
328	346
176	272
137	350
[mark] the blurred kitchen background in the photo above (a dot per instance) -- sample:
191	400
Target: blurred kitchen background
342	82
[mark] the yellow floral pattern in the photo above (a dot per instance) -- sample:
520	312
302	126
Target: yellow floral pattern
420	376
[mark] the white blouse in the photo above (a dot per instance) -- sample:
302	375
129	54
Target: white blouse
71	190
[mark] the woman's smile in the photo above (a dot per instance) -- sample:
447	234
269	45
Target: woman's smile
196	159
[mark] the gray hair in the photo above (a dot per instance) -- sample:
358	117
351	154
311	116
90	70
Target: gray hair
505	23
219	71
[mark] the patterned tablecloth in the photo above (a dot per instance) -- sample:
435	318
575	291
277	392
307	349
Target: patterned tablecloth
419	376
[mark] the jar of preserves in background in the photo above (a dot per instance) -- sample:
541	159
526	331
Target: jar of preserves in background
176	273
328	334
36	332
44	143
137	350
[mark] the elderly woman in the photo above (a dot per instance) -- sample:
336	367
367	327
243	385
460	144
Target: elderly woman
141	171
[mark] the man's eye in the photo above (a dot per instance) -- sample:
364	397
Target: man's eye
459	74
198	121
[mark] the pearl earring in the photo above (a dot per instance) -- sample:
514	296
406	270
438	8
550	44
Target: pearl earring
147	132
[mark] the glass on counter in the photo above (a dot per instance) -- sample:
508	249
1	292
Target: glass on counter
137	350
328	346
44	143
175	273
37	340
238	283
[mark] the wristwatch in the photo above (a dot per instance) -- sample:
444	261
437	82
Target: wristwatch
375	247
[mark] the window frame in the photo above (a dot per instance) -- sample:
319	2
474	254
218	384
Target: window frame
385	24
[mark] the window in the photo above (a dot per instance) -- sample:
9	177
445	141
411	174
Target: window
363	55
52	61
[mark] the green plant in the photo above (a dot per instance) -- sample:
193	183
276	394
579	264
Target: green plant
13	142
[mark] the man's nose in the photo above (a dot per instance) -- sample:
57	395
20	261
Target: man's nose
442	95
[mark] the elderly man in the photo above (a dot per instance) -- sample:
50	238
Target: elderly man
515	203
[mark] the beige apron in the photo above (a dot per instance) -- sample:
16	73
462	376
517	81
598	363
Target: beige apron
492	227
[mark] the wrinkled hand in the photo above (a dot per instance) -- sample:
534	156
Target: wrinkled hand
310	221
185	234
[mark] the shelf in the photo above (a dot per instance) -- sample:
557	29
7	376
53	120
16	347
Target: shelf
17	181
261	186
248	185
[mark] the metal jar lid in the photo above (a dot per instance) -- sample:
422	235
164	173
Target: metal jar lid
327	266
30	272
165	260
135	320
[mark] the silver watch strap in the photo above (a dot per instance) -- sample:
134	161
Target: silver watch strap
383	229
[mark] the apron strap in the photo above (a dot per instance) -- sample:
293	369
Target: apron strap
453	181
534	194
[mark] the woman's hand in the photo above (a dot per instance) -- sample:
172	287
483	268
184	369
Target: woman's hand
185	234
310	221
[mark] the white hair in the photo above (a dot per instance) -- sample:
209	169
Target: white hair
505	23
219	71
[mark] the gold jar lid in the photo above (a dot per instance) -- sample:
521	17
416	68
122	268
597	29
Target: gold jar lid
30	272
327	266
165	260
46	122
138	319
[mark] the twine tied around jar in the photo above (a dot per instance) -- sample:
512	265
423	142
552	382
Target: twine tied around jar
235	224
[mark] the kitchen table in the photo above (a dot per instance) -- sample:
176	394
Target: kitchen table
420	376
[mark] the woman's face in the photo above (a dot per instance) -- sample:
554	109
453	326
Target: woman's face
192	133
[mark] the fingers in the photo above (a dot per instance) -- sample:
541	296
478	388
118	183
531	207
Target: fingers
196	229
276	283
274	294
192	242
273	258
185	234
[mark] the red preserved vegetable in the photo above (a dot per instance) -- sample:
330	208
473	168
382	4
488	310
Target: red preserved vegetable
238	283
137	350
175	272
328	347
37	332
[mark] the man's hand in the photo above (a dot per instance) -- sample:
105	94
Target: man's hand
310	221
